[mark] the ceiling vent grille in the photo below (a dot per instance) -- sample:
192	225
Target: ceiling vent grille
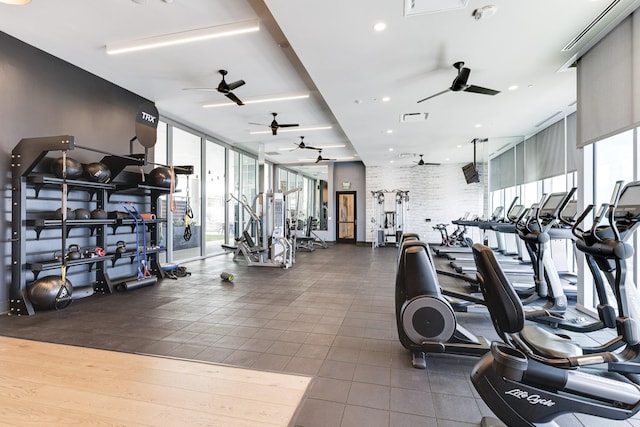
413	117
420	7
578	38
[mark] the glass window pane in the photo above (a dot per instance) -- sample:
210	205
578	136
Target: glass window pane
215	225
186	151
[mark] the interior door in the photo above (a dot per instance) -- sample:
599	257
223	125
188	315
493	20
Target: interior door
346	231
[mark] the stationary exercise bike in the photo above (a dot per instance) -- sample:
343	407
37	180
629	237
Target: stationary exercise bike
535	375
425	319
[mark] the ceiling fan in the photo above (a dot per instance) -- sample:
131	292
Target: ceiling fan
421	162
303	146
322	159
224	88
460	84
275	125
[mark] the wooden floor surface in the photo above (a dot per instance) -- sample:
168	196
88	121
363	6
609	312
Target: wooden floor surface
44	384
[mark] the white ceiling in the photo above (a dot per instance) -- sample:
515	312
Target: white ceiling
328	48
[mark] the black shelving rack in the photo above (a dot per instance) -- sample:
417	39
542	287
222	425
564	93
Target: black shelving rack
25	157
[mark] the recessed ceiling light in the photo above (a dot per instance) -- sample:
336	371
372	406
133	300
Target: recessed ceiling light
390	161
389	131
291	130
459	146
513	87
479	125
447	159
380	26
386	99
391	149
257	100
184	37
16	2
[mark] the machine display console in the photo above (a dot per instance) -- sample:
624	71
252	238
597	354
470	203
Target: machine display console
550	206
628	208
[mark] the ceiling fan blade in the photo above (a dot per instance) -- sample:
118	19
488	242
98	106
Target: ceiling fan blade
308	147
235	85
207	89
234	98
434	95
481	90
288	125
258	124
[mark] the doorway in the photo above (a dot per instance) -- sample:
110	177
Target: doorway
346	225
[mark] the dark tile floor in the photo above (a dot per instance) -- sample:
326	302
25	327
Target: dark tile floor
331	316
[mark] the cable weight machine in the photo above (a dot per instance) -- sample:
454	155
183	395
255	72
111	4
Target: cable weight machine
389	218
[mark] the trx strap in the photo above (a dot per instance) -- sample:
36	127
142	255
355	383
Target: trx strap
188	216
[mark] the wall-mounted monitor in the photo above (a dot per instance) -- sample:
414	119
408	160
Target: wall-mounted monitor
470	173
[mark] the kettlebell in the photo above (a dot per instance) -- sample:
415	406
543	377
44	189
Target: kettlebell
121	247
74	252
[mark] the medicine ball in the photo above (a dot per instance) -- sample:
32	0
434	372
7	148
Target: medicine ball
70	214
74	168
161	177
99	214
98	172
82	213
49	293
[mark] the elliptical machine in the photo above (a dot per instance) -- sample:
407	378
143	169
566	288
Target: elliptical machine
425	320
534	375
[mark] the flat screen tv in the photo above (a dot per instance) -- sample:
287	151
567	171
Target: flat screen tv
470	173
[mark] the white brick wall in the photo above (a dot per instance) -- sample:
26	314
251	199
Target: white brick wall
436	192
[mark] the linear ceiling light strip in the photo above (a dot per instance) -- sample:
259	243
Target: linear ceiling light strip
184	37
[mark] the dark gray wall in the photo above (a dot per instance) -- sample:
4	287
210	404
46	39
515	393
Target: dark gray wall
45	96
355	173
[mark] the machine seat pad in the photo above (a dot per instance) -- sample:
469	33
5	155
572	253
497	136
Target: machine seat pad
548	344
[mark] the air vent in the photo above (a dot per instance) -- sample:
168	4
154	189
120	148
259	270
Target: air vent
413	117
272	153
420	7
578	38
548	118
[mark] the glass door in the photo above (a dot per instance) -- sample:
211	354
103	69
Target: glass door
346	214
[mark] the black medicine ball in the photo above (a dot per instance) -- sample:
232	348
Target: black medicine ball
161	177
82	213
97	172
74	168
71	214
99	214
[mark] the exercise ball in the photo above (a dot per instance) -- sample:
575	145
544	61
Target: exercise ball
71	214
50	293
98	172
99	214
82	213
161	177
74	168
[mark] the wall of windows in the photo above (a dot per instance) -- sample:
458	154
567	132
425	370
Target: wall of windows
215	190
